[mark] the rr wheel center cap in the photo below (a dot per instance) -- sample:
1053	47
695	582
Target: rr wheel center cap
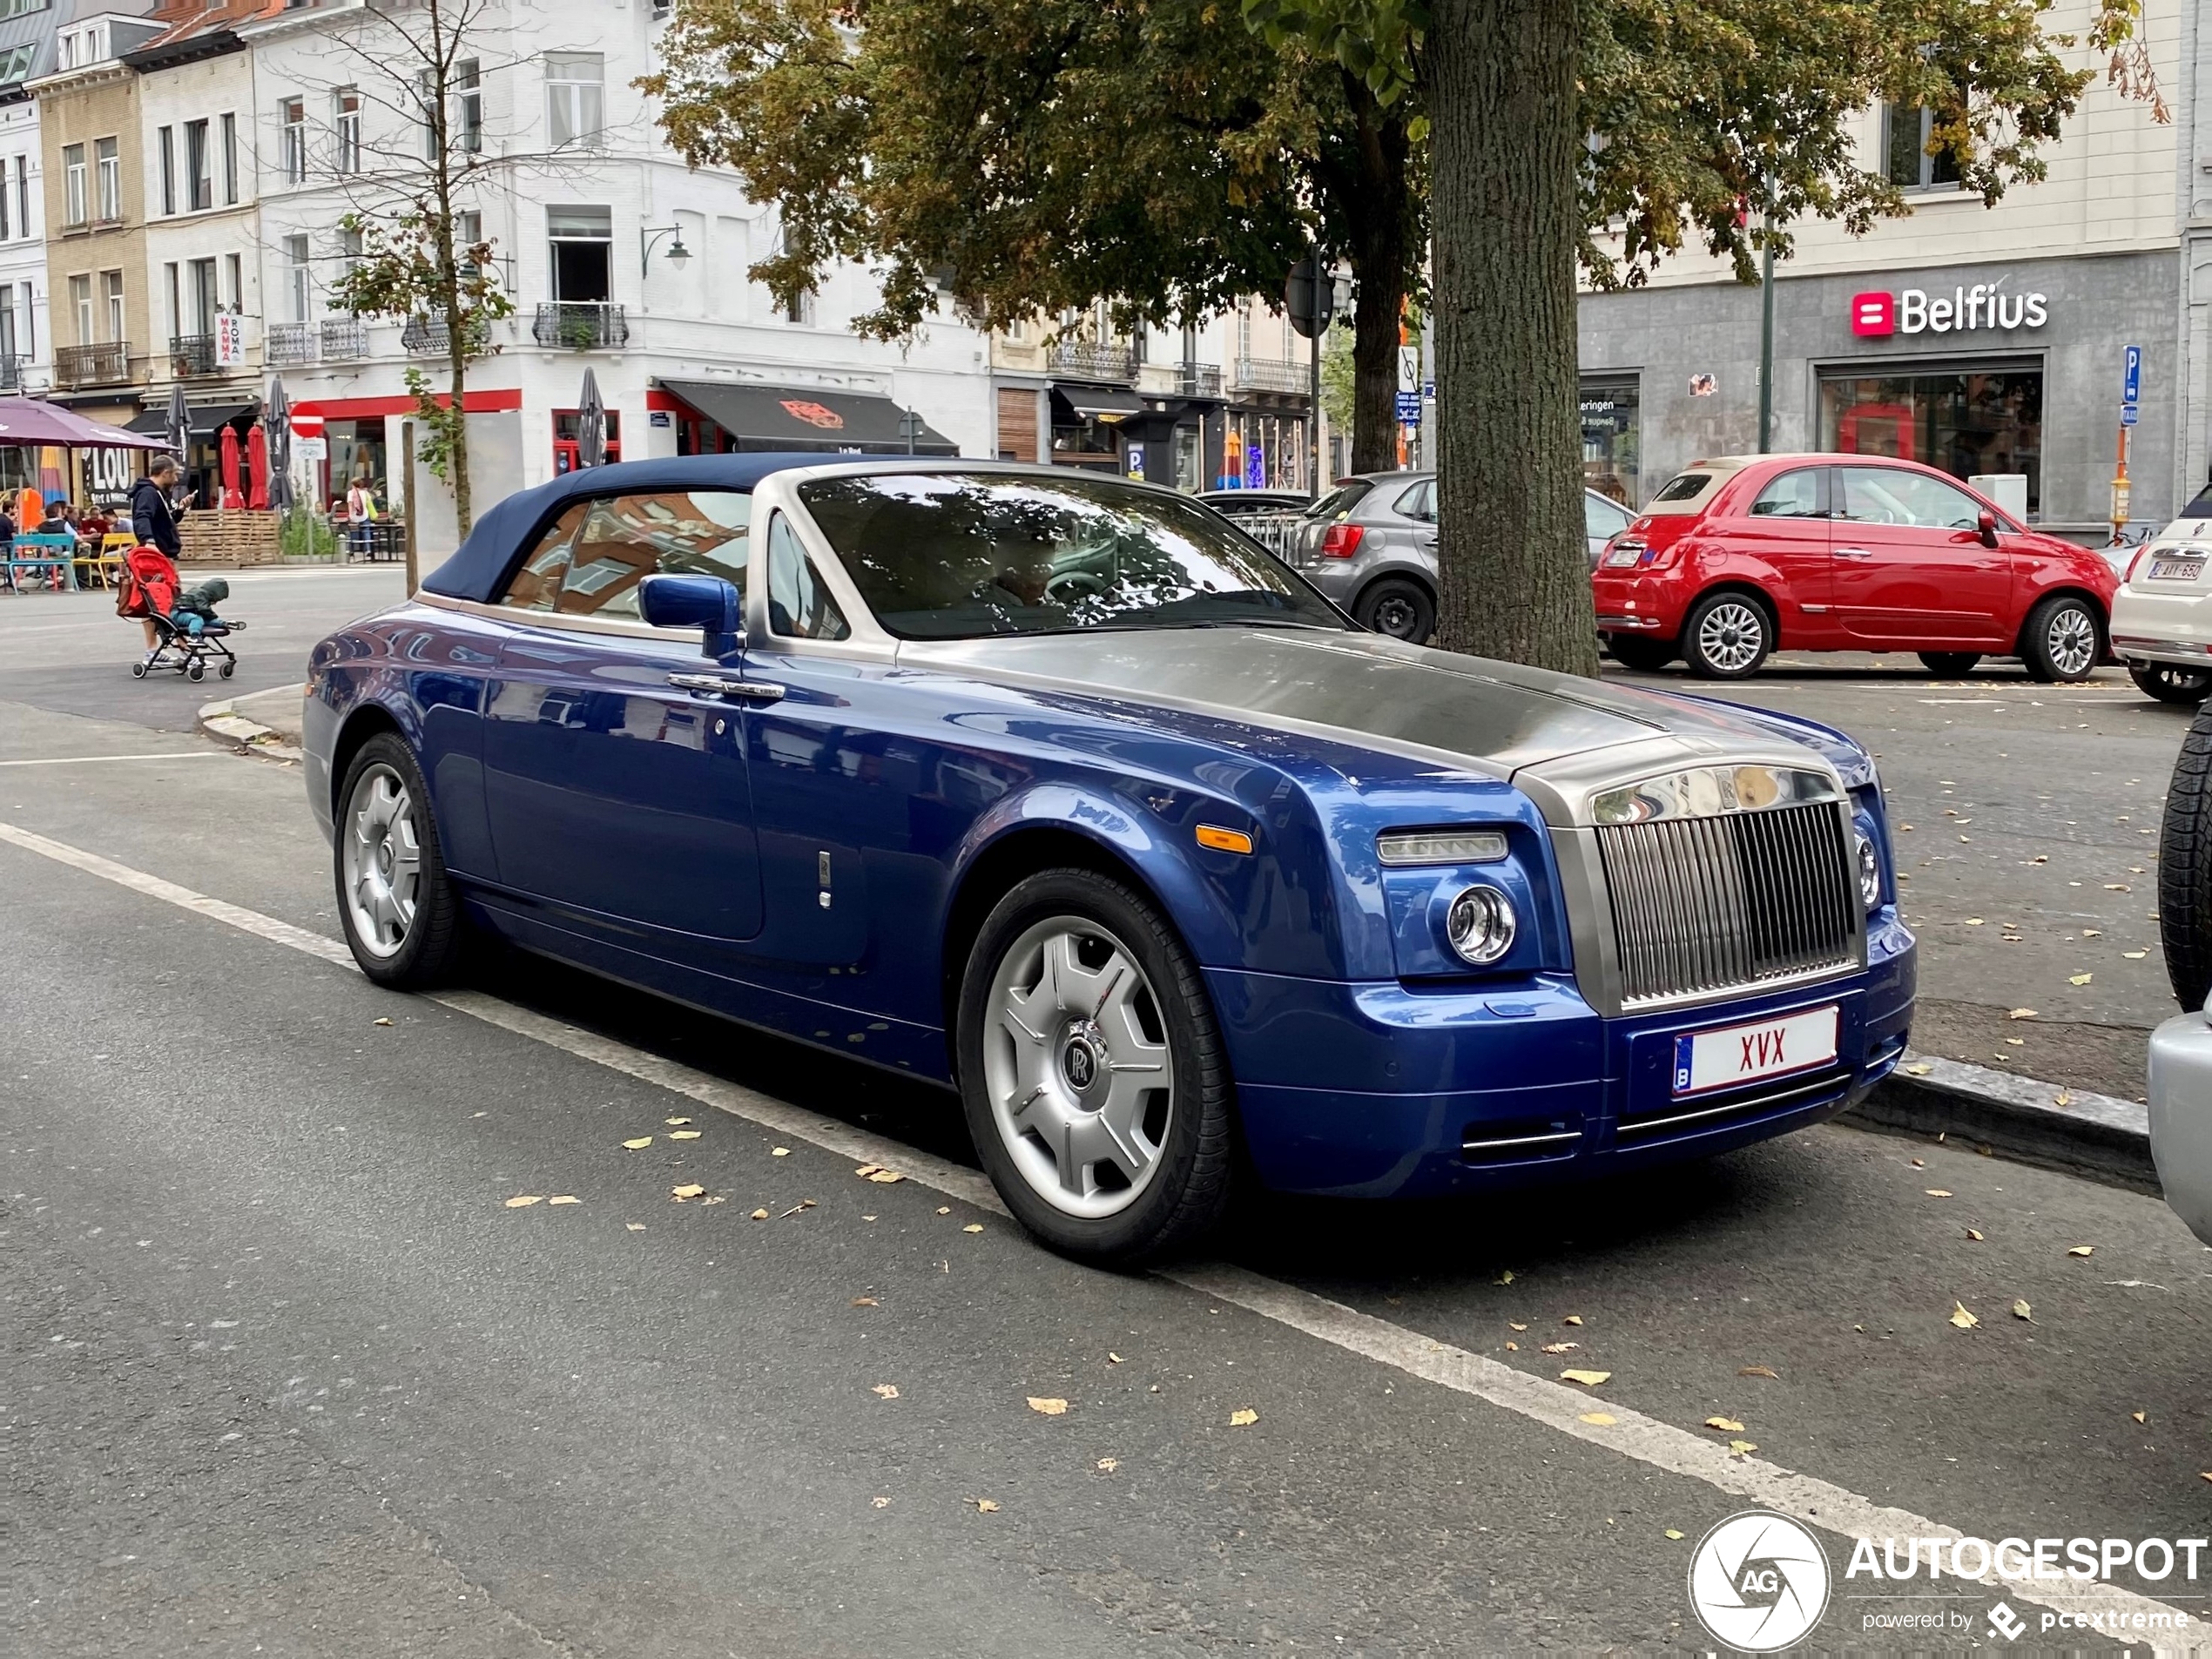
1082	1060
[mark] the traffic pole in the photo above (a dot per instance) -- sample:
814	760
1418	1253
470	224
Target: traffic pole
2121	490
1766	324
406	500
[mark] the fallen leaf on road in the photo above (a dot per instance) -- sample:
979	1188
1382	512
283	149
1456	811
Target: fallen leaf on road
1514	1326
984	1506
1726	1425
2064	1097
867	1169
2092	933
675	1122
635	1226
2022	1311
1047	1408
380	1021
564	1197
2082	1250
639	1144
760	1214
1671	1533
1243	1417
973	1227
2115	886
1919	1163
1767	1372
2079	979
884	1177
864	1301
683	1192
1113	1358
881	1503
1108	1465
525	1200
2021	1013
885	1390
2135	956
1513	1347
2141	1417
1939	1192
779	1151
1504	1278
683	1135
1560	1347
1920	1069
716	1198
1741	1448
2040	858
1974	921
1974	1235
1588	1378
804	1204
1961	1318
1572	1318
1603	1419
944	1210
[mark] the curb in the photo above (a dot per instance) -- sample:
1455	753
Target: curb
222	721
2075	1131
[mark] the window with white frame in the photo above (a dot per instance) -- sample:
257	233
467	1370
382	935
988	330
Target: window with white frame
9	229
199	168
76	186
296	278
80	301
234	272
8	321
15	62
111	292
230	159
802	309
166	163
346	155
292	140
576	96
19	8
468	107
25	227
110	180
349	250
1906	133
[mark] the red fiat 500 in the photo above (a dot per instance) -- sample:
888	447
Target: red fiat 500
1750	554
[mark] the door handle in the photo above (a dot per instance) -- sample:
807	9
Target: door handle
724	685
1854	552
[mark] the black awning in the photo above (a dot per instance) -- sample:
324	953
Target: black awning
202	420
806	417
1109	401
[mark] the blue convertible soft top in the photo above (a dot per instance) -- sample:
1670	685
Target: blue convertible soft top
481	564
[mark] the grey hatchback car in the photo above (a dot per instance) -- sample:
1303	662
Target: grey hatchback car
1370	545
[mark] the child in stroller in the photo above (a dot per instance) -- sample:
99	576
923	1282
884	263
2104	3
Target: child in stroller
183	630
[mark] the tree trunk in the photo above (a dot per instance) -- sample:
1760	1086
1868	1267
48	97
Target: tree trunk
1502	102
1377	209
457	450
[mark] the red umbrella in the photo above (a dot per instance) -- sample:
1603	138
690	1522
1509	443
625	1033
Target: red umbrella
257	456
233	496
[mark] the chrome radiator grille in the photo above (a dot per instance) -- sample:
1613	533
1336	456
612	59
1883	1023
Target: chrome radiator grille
1708	904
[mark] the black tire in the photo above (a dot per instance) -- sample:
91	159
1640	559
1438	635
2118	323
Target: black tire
1644	655
1950	664
228	668
1189	1187
1727	636
138	670
2171	681
429	951
196	672
2063	638
1400	608
2185	868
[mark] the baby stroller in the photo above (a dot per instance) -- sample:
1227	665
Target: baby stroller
188	634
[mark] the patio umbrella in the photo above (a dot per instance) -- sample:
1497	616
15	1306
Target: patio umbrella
257	463
26	422
233	496
179	424
276	419
590	424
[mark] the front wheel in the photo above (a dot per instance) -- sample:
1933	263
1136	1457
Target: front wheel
1950	664
1400	609
2062	640
1726	637
1644	655
1093	1072
2171	681
401	913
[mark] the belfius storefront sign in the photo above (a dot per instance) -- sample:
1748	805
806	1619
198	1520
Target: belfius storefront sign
1913	311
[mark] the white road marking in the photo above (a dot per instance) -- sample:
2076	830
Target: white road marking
88	760
1631	1434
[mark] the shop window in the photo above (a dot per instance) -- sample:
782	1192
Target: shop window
1963	421
1610	431
566	426
1906	130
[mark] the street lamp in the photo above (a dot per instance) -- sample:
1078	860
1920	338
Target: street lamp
649	237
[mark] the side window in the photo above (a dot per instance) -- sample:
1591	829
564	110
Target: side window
1892	496
1602	518
591	560
1417	502
1794	495
800	607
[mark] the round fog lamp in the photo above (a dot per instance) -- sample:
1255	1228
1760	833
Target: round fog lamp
1869	870
1479	926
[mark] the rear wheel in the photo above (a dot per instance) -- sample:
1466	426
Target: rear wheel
1726	637
1399	608
1093	1072
1950	664
2185	867
398	907
2171	681
2063	639
1644	655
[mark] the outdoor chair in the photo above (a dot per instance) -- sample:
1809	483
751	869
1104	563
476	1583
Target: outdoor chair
41	556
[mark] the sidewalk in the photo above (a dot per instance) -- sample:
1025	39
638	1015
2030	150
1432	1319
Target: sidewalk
267	722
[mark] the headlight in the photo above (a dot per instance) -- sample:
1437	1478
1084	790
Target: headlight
1480	926
1869	870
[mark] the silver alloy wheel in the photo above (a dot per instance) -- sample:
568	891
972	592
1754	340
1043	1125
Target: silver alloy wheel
1731	635
2071	638
1078	1068
1395	616
383	860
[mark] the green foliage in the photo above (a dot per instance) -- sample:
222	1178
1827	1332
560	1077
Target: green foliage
410	266
1337	375
444	427
305	533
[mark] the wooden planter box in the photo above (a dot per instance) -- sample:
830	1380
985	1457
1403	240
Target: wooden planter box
231	536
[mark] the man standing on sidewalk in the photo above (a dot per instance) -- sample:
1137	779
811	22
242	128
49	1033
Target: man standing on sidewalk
154	523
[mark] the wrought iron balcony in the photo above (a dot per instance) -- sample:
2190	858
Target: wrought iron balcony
12	365
1092	362
191	355
106	363
344	339
425	337
580	325
1199	380
1269	374
290	342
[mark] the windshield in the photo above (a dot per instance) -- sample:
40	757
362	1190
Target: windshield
2201	506
962	557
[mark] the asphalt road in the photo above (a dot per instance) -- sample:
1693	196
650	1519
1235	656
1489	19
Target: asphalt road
283	1372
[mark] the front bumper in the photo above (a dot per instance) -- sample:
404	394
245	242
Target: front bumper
2181	1117
1385	1089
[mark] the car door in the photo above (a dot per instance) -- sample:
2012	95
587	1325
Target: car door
1413	526
1783	530
1909	563
616	794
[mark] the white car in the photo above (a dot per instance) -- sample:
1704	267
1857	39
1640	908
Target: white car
2161	618
2181	1117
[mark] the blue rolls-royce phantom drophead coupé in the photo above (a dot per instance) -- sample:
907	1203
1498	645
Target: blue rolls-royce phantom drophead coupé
1059	791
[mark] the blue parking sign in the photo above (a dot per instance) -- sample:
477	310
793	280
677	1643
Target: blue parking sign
2131	385
1409	408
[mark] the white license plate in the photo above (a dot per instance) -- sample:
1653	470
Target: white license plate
2176	569
1743	1054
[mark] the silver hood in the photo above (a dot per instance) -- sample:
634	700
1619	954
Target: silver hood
1556	735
